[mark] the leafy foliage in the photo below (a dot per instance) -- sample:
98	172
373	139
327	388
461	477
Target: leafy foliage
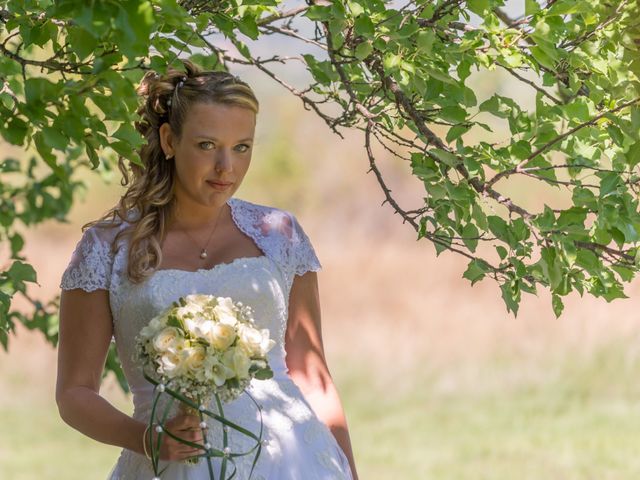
68	71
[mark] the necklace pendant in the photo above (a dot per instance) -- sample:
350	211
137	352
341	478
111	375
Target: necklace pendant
203	254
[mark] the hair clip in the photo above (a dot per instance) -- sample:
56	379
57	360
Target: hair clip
181	82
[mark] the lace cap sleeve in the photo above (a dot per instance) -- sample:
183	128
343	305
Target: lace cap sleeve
90	265
303	256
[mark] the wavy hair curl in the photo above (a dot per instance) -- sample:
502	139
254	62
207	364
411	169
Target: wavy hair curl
149	200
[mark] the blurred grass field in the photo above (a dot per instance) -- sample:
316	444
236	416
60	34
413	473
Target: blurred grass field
580	420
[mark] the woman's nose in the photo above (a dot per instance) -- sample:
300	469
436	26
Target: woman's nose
223	162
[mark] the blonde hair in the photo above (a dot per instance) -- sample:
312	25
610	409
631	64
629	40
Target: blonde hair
150	191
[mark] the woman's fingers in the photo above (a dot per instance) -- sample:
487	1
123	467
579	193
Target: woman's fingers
185	427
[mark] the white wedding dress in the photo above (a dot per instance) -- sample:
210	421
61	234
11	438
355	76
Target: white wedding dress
296	444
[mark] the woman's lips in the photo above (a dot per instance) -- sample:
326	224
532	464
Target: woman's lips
219	186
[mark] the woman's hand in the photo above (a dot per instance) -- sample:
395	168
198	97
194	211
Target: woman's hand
183	426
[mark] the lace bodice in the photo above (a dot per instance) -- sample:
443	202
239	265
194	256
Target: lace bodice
264	282
275	231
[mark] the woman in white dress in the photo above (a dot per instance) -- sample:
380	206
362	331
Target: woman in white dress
178	230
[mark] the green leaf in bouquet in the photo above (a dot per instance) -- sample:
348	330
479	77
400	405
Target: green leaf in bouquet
233	382
174	322
256	365
264	374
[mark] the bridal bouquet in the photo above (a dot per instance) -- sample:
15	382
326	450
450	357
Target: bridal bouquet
203	346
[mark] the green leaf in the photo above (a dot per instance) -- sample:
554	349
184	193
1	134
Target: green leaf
616	135
173	321
363	50
391	60
476	271
569	252
17	242
93	156
424	41
497	105
319	13
22	272
583	197
499	227
134	22
445	157
626	274
551	268
543	57
443	243
628	230
129	134
633	154
609	183
588	260
45	152
577	110
364	26
456	132
249	27
439	75
557	304
264	374
453	113
16	131
511	296
469	236
82	42
478	6
54	138
566	7
531	7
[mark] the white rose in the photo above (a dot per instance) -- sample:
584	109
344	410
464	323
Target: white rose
255	342
195	325
238	361
172	363
217	371
194	359
250	339
198	298
225	312
167	339
221	335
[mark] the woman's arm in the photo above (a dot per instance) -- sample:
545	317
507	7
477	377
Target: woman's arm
85	333
306	360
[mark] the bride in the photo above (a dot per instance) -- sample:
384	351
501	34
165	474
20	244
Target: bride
178	230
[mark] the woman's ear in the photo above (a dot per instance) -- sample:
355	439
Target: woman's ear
166	139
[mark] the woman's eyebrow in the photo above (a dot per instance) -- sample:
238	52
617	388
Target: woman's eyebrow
209	137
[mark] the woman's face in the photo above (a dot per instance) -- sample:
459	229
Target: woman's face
215	146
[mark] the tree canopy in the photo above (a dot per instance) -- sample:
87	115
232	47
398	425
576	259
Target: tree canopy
399	74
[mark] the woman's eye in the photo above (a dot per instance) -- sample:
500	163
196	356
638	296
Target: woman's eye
244	146
206	145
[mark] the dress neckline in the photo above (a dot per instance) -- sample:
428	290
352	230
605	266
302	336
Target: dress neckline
216	267
231	201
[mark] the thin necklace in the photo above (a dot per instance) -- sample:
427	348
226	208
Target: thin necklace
203	250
